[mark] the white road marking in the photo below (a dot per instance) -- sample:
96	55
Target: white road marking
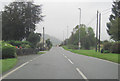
31	60
82	74
65	56
13	70
70	61
16	69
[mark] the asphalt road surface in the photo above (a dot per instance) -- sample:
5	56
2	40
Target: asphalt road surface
61	64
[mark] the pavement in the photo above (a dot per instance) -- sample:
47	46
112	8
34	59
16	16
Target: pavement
61	64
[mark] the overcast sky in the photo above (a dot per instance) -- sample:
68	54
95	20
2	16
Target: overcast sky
63	13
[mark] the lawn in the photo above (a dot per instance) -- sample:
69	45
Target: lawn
106	56
7	64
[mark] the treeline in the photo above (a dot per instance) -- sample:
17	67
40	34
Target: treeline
19	21
87	38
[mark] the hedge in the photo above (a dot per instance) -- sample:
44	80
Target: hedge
111	47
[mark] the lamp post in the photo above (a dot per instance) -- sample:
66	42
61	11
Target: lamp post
79	45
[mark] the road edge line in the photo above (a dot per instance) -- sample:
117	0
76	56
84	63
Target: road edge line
13	70
84	77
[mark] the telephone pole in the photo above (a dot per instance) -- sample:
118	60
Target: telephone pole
67	36
79	45
43	38
63	37
97	31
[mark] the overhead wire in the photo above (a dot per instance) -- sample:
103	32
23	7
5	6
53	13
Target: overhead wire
103	13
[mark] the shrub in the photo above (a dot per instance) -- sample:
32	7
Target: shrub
14	43
8	51
25	44
106	51
115	48
72	46
107	46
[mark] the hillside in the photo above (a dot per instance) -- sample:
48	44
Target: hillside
54	40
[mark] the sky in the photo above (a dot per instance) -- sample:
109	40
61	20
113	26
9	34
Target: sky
61	14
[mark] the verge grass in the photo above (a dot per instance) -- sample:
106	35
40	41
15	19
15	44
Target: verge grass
6	64
106	56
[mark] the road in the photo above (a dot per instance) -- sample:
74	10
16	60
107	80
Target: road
61	64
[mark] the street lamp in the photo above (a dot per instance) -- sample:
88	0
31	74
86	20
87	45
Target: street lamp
79	28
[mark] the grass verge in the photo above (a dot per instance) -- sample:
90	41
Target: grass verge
41	52
7	64
106	56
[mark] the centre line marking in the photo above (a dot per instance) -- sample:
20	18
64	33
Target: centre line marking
70	61
82	74
14	70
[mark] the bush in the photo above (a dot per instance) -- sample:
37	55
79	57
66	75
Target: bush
8	51
14	43
23	44
107	47
72	46
106	51
111	47
115	48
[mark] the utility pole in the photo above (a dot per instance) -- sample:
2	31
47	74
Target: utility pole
97	31
79	45
67	36
63	37
43	38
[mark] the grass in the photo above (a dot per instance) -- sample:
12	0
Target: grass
41	52
106	56
7	64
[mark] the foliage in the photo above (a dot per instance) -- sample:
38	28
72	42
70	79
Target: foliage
113	27
34	38
111	47
49	43
23	44
19	19
107	47
70	46
8	51
115	48
87	38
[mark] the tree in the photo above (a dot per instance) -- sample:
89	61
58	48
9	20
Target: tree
49	43
19	20
34	38
87	37
113	27
91	36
